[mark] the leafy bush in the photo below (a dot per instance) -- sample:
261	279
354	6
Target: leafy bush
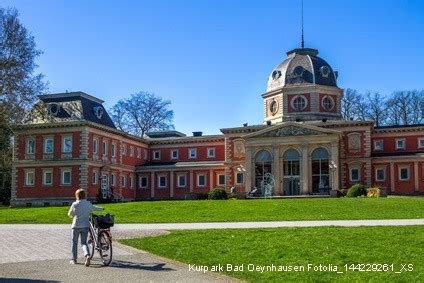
201	196
341	193
356	191
374	192
218	194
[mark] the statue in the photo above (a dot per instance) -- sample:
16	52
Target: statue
267	185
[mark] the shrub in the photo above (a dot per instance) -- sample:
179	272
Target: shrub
218	194
341	193
374	192
356	191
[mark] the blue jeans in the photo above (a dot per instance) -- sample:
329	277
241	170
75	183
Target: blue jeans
76	233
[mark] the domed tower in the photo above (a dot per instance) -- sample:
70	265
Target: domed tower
303	87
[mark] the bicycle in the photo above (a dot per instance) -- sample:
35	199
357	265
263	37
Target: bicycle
100	238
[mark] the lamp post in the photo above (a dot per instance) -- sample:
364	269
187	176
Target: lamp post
333	168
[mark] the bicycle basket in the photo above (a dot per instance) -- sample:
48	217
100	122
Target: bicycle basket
104	221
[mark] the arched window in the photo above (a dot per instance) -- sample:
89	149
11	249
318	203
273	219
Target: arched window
320	171
263	165
291	170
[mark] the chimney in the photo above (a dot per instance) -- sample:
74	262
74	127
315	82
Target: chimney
197	134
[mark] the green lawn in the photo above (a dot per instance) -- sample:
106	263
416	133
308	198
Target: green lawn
236	210
333	246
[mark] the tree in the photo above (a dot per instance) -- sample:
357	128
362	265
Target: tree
19	85
141	113
376	109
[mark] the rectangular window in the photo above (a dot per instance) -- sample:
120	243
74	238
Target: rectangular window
113	179
354	175
181	181
143	182
66	177
156	155
139	153
421	143
104	148
174	154
123	149
400	144
48	145
94	180
211	152
162	181
380	174
47	177
67	144
192	153
29	178
403	173
378	145
201	180
131	182
221	179
95	146
113	150
30	146
123	181
131	151
239	178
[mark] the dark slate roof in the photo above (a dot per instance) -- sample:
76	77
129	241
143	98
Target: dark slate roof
399	126
88	103
164	134
302	66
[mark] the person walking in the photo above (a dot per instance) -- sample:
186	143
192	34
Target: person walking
80	213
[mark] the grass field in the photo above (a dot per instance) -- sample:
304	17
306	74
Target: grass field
332	246
235	210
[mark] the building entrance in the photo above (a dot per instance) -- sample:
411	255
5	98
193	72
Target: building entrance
291	173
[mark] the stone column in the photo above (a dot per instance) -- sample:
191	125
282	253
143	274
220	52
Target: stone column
171	184
276	169
335	182
248	165
211	179
191	181
392	177
305	170
152	185
416	176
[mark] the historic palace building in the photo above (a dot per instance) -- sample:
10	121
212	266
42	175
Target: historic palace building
303	147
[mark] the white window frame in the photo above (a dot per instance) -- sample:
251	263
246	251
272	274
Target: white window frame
141	183
419	142
63	144
398	140
131	151
123	149
154	154
113	149
400	175
62	176
113	179
104	148
28	147
172	154
242	178
217	179
375	145
45	145
123	181
351	175
44	177
94	177
210	155
95	145
138	153
376	174
27	173
166	181
178	180
194	150
198	180
131	182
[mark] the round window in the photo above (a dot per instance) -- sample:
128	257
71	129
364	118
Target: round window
276	74
327	103
299	103
273	107
53	109
325	71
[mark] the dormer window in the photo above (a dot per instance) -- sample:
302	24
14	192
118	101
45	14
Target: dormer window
53	109
98	111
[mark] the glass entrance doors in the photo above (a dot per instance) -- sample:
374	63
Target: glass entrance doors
291	173
320	171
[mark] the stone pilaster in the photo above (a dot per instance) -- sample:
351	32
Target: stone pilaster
335	173
152	185
392	177
84	144
191	181
171	184
276	169
305	170
416	177
248	165
83	176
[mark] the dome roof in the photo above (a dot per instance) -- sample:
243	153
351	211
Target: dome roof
302	66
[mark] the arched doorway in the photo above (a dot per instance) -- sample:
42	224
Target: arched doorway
320	171
263	165
291	170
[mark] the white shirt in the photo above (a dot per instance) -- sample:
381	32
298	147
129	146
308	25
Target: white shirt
80	212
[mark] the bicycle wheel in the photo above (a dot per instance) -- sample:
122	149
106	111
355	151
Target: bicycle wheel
105	247
90	243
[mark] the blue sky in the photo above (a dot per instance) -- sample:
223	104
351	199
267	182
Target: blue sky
212	58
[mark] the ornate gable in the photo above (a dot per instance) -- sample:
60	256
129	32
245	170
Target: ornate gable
290	129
